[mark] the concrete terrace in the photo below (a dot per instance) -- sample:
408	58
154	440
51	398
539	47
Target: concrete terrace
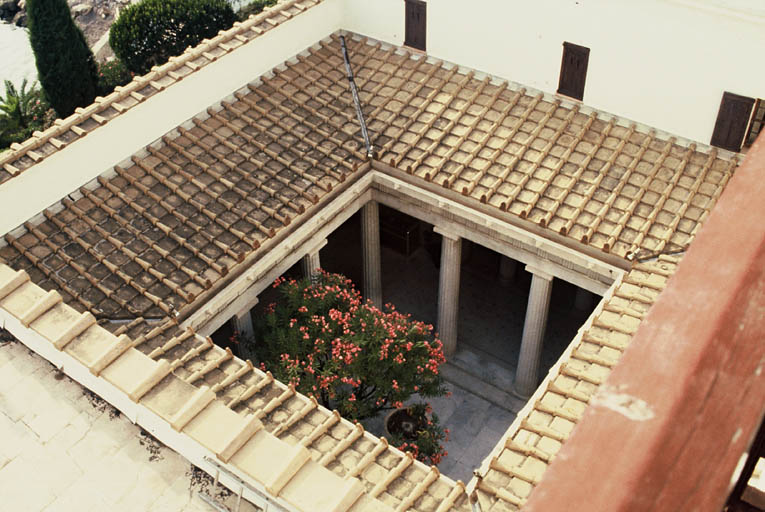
116	281
66	449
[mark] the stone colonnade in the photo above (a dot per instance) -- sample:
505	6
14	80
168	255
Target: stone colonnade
527	373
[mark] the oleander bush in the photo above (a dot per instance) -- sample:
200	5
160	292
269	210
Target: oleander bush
149	32
323	339
417	429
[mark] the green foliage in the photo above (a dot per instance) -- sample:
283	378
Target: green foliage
421	434
111	74
149	32
22	112
65	65
255	7
350	355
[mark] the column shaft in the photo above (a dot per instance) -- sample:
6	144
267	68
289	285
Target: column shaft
370	243
449	292
527	374
311	263
243	325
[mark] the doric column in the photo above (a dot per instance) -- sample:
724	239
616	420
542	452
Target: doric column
527	374
507	268
449	290
242	322
370	244
311	262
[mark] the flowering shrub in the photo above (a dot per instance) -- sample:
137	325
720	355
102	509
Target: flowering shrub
416	429
111	74
350	355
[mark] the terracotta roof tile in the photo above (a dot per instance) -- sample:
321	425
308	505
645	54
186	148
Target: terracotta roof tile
104	109
148	238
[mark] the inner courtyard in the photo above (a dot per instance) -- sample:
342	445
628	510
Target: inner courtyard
493	299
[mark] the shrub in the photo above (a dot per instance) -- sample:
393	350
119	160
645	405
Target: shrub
148	33
65	65
255	7
350	355
420	433
22	112
111	74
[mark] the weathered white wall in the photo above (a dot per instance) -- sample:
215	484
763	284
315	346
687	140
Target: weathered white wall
47	182
379	19
664	63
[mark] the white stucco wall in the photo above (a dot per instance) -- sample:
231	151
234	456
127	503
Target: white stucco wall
65	171
664	63
378	19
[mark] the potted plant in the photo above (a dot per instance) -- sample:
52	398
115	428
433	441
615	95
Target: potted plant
416	429
352	356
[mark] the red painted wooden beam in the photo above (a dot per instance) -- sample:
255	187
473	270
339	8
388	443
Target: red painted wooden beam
671	424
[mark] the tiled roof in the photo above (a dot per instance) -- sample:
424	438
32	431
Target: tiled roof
518	462
168	364
336	443
105	109
579	173
146	240
197	387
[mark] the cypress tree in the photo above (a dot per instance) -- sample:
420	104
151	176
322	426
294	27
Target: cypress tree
65	65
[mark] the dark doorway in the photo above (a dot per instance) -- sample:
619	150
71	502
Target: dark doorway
415	24
573	70
732	121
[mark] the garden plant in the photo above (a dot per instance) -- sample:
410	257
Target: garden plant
149	32
22	111
65	65
254	7
111	74
321	337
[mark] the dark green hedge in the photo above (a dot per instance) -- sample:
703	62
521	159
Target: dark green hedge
150	32
65	65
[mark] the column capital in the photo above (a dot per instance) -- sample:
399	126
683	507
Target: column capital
317	246
445	232
539	273
245	310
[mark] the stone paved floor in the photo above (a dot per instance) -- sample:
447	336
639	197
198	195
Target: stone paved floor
62	450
